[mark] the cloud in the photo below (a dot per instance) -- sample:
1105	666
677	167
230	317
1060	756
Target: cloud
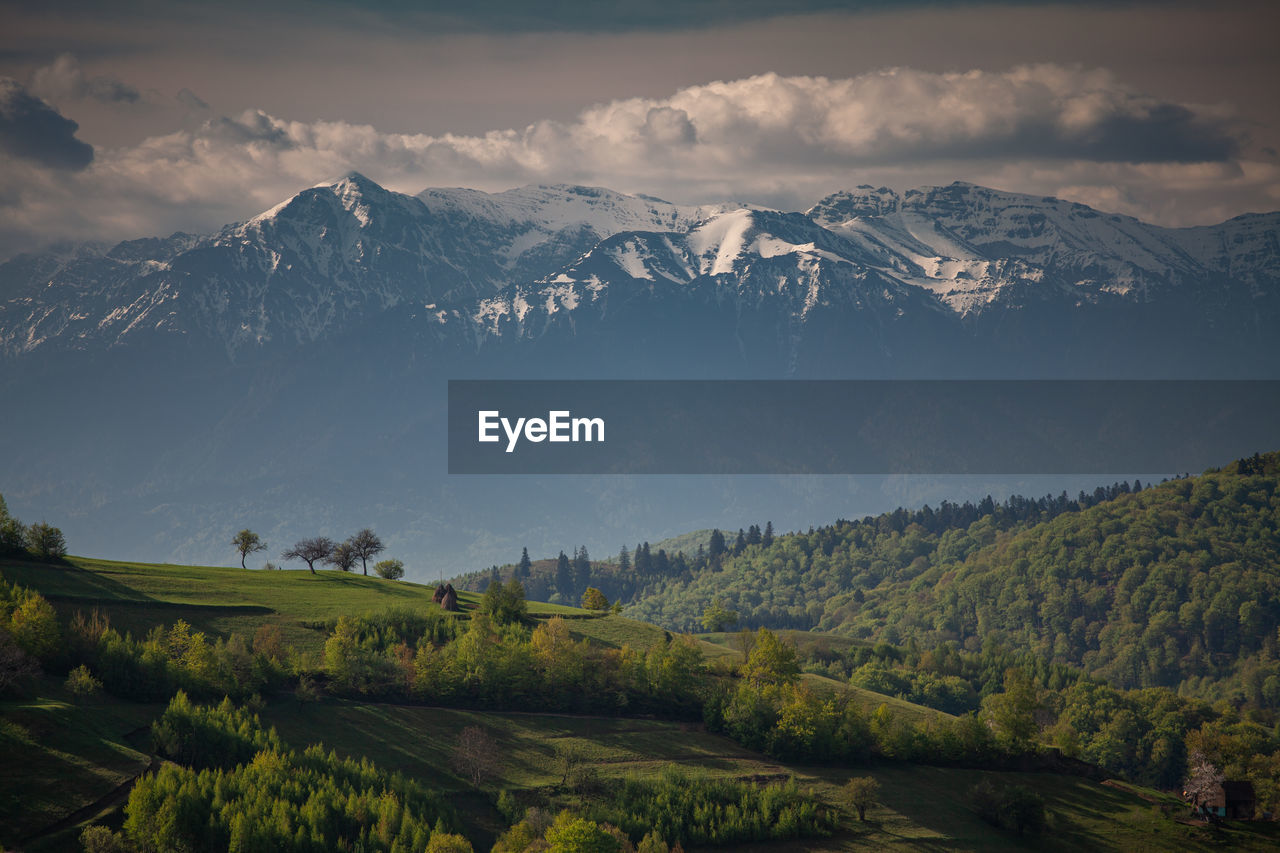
65	81
769	138
731	130
32	130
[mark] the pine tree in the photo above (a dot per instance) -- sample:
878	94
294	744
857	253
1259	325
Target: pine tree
581	571
767	538
564	577
624	561
717	546
526	565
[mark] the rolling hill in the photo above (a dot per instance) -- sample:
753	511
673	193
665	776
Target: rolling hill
1172	585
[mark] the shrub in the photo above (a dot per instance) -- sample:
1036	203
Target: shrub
391	569
82	683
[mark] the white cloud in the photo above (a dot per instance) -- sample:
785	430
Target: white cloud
769	138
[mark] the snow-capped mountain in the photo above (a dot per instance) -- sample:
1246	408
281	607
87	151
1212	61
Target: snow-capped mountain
870	267
971	244
779	276
528	261
314	265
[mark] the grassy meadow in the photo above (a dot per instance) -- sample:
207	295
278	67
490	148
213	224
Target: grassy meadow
222	601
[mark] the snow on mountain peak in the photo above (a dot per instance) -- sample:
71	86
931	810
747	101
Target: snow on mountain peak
864	200
341	251
719	241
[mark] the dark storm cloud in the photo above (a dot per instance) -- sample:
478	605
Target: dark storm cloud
30	129
515	16
1162	133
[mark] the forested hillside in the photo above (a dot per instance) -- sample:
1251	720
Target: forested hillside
1172	585
875	547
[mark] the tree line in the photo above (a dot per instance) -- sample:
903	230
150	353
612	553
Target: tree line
362	546
40	539
640	575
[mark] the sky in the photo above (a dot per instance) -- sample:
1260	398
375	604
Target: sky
141	117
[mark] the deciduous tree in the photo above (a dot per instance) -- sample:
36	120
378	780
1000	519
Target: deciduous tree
342	557
504	602
310	550
475	755
247	542
717	617
46	541
82	683
15	664
365	545
861	792
1203	779
771	661
391	569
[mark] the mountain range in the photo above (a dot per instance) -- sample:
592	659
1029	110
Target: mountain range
289	370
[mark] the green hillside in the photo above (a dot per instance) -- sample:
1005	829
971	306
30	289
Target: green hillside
222	601
919	807
63	755
686	543
1172	585
936	702
923	807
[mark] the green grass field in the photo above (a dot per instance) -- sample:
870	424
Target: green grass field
223	601
61	755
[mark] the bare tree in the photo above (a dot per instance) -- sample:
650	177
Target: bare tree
310	550
342	557
247	542
1203	780
568	758
475	755
366	545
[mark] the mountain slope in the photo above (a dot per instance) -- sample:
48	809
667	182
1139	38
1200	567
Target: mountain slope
313	267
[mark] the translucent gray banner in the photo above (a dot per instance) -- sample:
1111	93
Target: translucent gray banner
857	426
